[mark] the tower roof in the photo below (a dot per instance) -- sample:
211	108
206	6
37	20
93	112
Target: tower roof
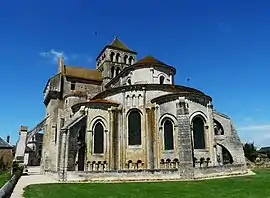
119	44
149	59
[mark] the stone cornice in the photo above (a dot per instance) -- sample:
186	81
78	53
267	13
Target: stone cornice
177	89
192	96
94	105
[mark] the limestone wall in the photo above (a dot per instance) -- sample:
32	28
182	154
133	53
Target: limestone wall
7	155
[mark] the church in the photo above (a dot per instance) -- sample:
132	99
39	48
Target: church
128	117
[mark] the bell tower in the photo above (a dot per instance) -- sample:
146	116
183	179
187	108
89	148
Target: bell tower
113	59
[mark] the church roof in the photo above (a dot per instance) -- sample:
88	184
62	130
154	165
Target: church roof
119	44
83	73
149	59
4	144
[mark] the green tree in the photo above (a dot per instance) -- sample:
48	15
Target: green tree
250	151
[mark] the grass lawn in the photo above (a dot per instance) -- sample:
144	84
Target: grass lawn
246	187
4	177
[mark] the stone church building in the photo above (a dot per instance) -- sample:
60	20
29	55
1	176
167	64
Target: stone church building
127	116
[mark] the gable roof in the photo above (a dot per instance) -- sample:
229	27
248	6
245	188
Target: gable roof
149	59
4	144
83	73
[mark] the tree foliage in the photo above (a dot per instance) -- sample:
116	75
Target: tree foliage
250	151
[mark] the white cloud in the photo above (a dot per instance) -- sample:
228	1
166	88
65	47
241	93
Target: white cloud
53	55
259	134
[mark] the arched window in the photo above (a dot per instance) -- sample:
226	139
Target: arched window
112	56
168	135
117	58
161	79
130	60
117	71
98	139
112	71
198	133
129	82
134	128
125	59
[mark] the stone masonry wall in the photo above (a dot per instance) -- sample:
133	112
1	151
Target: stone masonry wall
184	140
7	156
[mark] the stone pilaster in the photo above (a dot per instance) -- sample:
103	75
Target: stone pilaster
150	137
113	152
63	156
184	140
210	135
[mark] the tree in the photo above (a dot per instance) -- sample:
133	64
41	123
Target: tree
250	151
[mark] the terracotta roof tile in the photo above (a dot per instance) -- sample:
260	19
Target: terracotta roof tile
149	59
84	73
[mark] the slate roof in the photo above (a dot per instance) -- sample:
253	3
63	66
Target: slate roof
4	144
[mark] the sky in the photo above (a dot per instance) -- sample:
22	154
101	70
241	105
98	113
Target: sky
222	46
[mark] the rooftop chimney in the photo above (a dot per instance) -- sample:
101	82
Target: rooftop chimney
8	139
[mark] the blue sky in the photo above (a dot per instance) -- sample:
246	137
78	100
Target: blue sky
222	46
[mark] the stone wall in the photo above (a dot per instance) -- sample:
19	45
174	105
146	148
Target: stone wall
217	171
152	174
7	156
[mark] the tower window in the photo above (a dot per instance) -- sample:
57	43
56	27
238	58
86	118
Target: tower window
112	56
72	86
130	60
125	59
112	72
161	79
117	71
117	58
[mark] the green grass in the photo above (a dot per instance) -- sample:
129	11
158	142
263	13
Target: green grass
239	187
4	177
